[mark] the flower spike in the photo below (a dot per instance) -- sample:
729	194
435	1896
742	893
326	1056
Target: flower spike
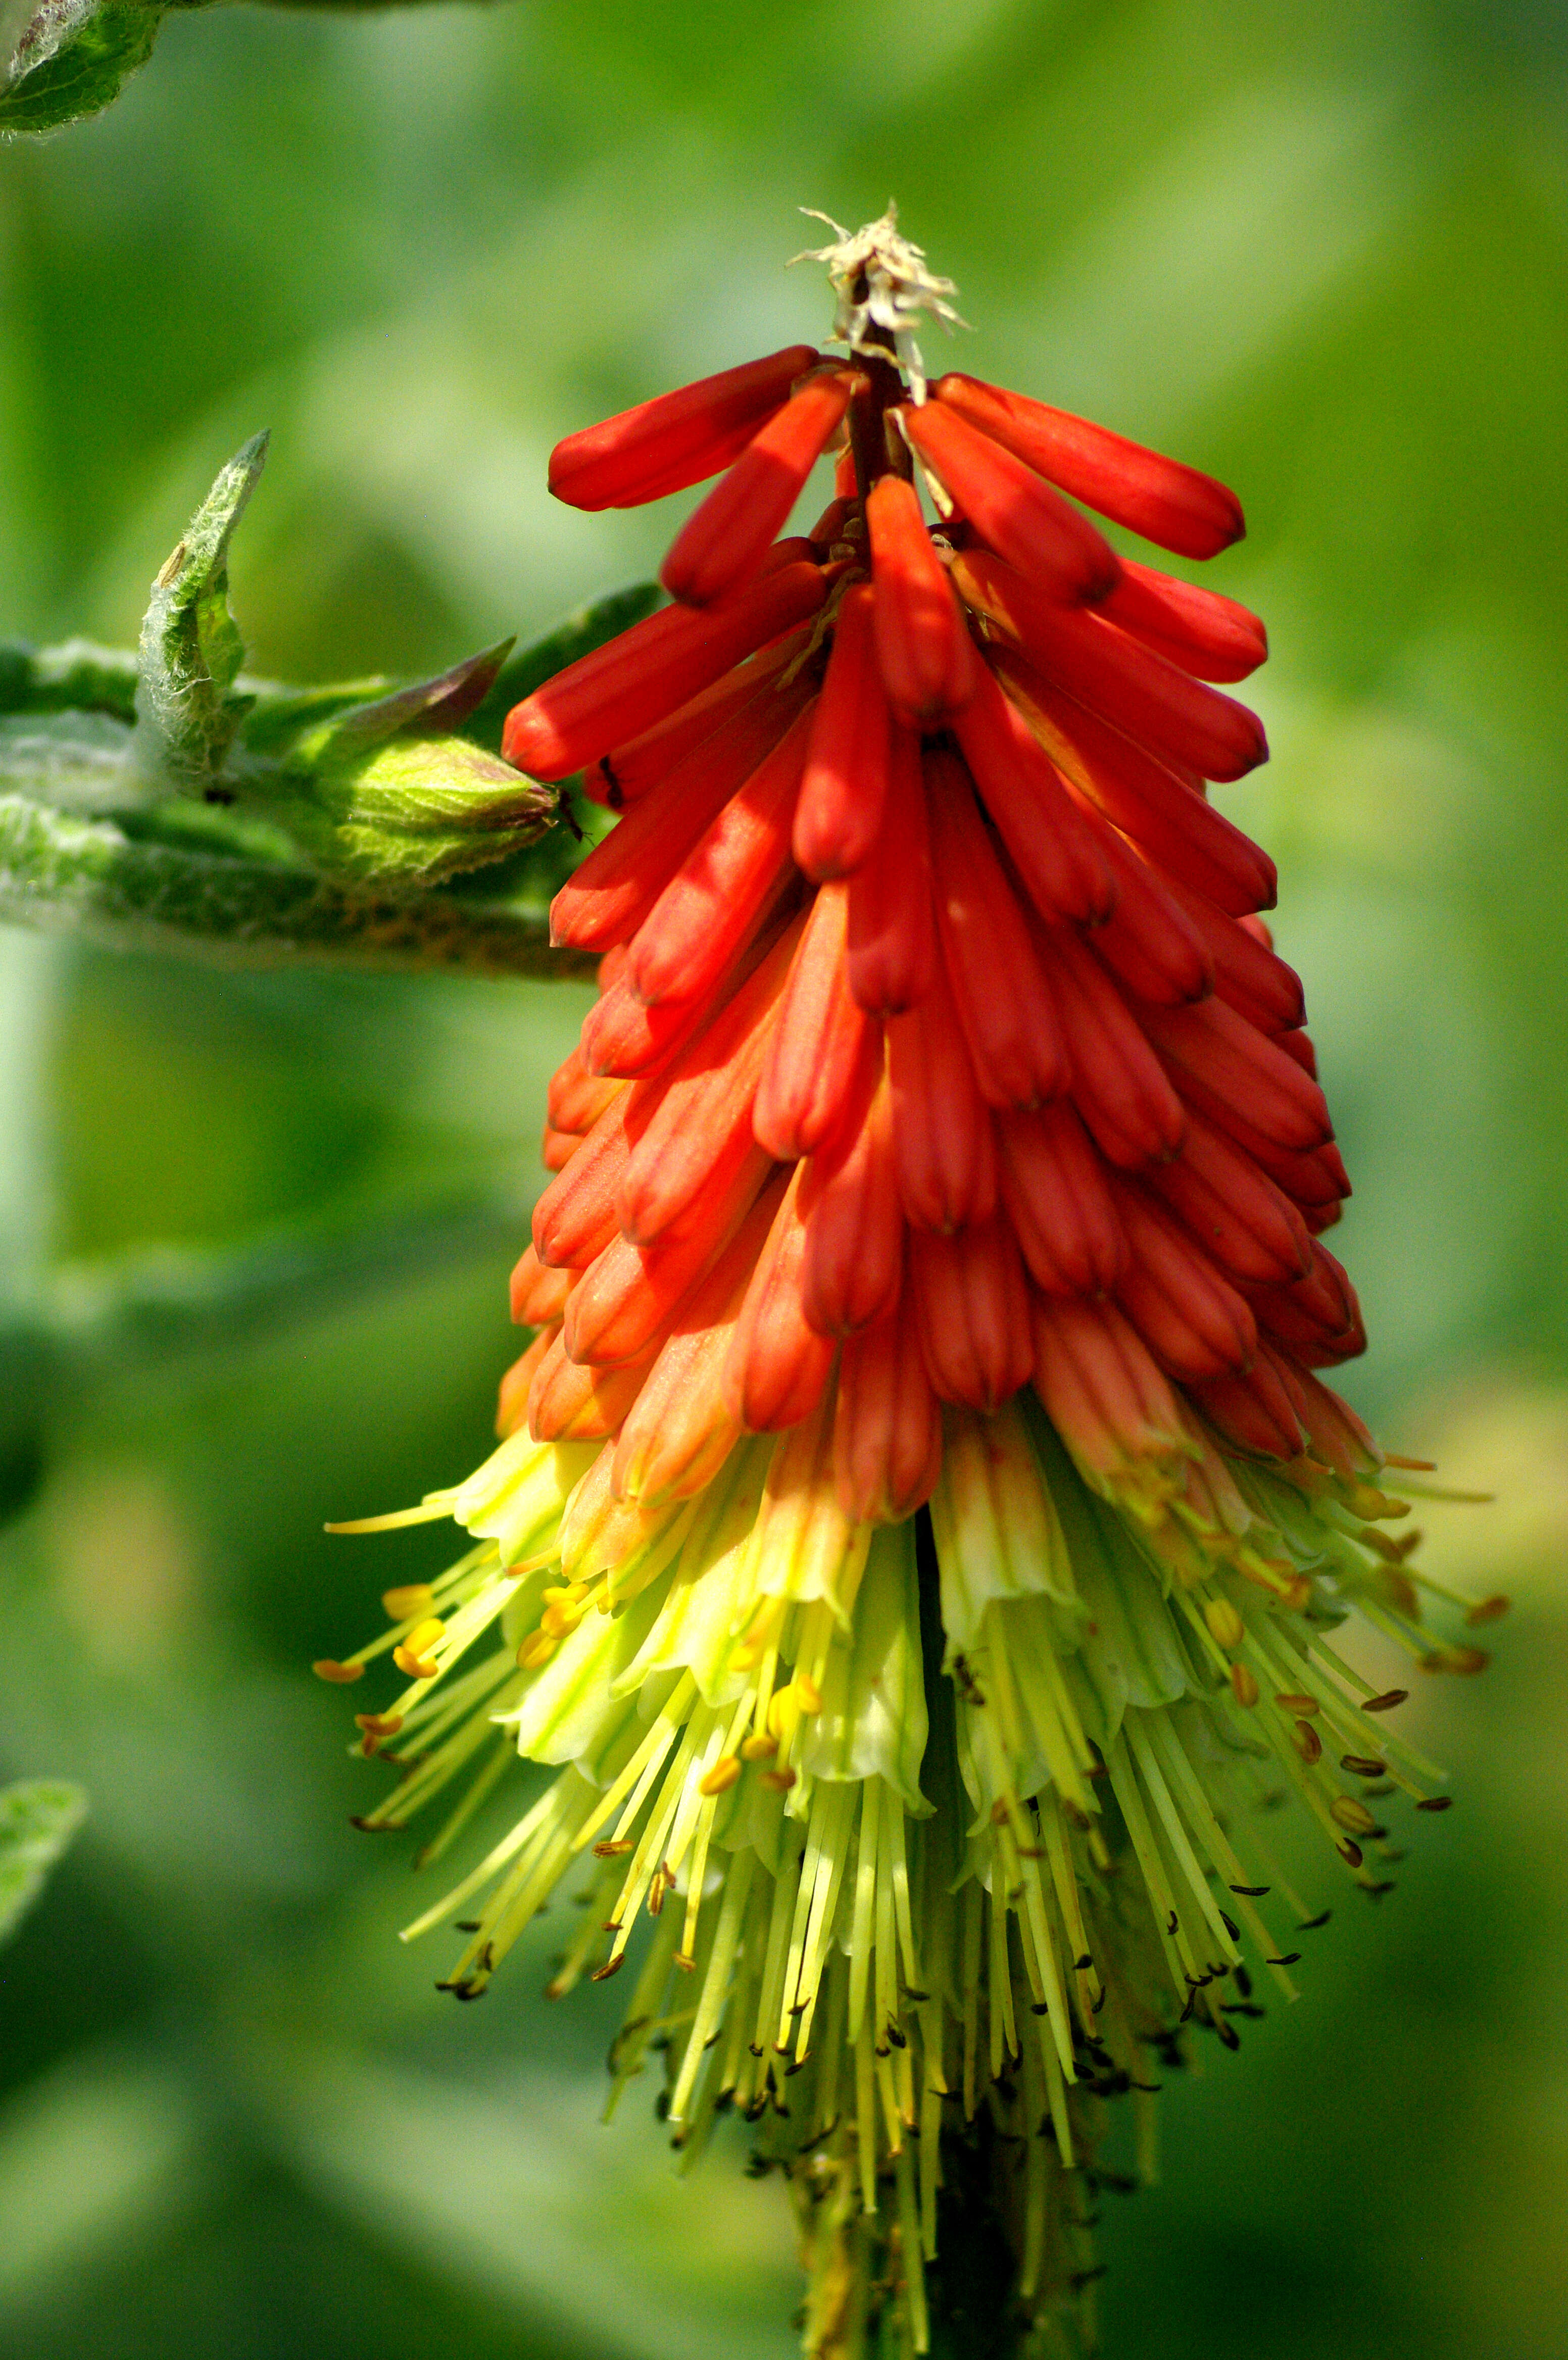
918	1530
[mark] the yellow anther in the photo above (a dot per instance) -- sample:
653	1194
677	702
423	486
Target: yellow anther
723	1775
1306	1740
405	1606
808	1691
783	1714
423	1636
1352	1816
339	1673
417	1668
559	1621
536	1649
759	1748
781	1781
378	1724
565	1594
1297	1594
1244	1687
1226	1625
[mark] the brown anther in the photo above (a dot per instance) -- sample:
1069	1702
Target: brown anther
1488	1610
1302	1707
1386	1702
1244	1687
687	1966
1464	1662
1435	1803
1306	1740
1364	1765
1351	1853
378	1724
612	1847
781	1781
602	1974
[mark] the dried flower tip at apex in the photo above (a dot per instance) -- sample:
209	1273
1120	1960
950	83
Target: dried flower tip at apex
883	285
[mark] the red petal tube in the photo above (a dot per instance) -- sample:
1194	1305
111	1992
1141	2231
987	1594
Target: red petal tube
678	1432
1164	810
1210	637
538	1294
618	1305
1054	1188
1241	1217
821	1042
942	1137
1237	1077
1119	1085
1149	700
576	1098
1003	999
576	1217
607	898
649	672
699	1127
1174	505
570	1403
1195	1324
972	1311
844	790
1100	1387
854	1228
557	1148
777	1366
926	658
621	1036
674	440
1335	1433
891	918
1148	942
887	1425
1247	975
1058	853
726	539
702	916
626	773
511	1395
1254	1412
1012	511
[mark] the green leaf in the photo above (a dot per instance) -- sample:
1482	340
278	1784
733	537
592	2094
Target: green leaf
66	60
38	1819
187	707
76	677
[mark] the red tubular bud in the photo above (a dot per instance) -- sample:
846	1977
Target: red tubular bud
1210	637
511	1395
608	896
892	916
1148	941
699	1127
1247	975
704	914
1173	506
844	790
1254	1413
1010	508
1242	1221
1054	1188
1176	717
538	1294
1194	1322
1057	852
622	1036
724	541
943	1143
821	1043
1003	999
854	1226
971	1312
678	1432
1318	1315
557	1148
623	1301
1236	1075
777	1366
576	1098
649	672
1335	1433
567	1403
887	1425
1105	1395
1162	809
677	438
1119	1085
926	658
1292	1039
576	1217
625	774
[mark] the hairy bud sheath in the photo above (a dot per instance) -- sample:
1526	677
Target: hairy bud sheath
918	1523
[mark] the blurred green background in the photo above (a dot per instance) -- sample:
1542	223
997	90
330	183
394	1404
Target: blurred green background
1320	250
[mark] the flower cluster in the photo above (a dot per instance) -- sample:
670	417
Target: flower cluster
919	1529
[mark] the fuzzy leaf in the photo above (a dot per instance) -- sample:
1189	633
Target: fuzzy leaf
64	60
38	1819
187	707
